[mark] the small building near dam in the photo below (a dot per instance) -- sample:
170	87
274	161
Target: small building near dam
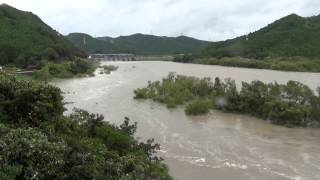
113	57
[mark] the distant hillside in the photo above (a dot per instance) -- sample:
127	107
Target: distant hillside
290	36
25	39
89	44
138	44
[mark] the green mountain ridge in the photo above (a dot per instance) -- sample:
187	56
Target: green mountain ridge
138	44
289	36
25	39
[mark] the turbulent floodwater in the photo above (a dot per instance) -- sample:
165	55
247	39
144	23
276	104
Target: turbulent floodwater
215	146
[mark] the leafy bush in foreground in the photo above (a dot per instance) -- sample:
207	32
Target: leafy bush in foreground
39	142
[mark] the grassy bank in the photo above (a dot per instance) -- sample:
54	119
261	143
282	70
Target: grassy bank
285	64
298	64
67	69
155	58
49	70
291	104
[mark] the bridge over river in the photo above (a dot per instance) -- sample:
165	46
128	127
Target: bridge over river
113	57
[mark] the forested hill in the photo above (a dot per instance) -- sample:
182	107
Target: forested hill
25	39
290	36
138	44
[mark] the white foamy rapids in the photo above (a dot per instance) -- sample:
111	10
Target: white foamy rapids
234	165
192	160
162	151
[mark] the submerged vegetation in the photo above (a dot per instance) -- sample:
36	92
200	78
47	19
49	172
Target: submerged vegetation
198	107
107	69
38	142
291	104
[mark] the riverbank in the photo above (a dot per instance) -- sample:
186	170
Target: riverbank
168	57
295	64
67	69
50	70
291	104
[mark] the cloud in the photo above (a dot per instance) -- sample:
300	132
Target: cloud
204	19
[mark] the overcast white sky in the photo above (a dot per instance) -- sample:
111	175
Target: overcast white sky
204	19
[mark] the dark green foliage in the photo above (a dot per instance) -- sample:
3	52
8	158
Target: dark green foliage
25	39
142	93
127	128
39	142
288	37
91	44
184	58
292	104
290	44
24	102
82	66
138	44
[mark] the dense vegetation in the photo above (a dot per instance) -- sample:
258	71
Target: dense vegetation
292	104
184	58
25	40
38	142
285	64
138	44
66	69
290	36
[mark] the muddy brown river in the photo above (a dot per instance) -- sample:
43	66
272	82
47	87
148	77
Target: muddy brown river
215	146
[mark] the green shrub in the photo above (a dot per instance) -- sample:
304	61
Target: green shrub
24	102
198	107
141	93
31	150
38	142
